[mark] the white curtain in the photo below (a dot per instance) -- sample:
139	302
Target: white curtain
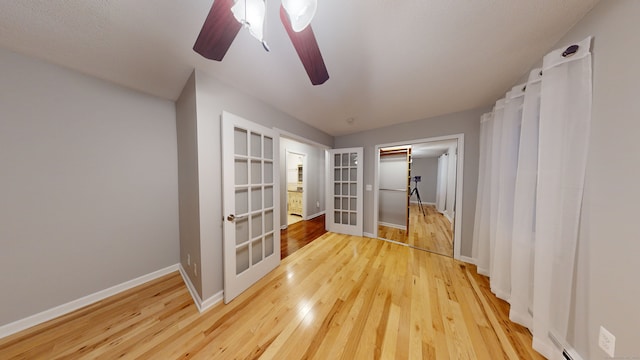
441	185
565	118
494	179
451	183
532	164
507	158
481	231
524	205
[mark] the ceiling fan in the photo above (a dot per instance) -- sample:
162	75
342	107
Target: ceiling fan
226	17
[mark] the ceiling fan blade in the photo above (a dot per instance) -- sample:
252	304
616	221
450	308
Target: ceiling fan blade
307	48
218	31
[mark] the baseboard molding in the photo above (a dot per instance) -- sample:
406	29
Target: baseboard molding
213	300
395	226
284	227
369	235
423	203
482	272
573	354
467	259
202	305
446	215
315	215
192	289
63	309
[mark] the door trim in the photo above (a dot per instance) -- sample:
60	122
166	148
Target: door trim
235	286
457	238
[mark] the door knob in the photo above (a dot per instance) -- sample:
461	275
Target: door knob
233	218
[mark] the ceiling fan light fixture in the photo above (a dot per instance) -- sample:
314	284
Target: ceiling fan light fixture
251	13
300	12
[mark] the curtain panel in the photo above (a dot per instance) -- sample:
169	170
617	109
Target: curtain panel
533	156
524	205
506	179
565	119
481	233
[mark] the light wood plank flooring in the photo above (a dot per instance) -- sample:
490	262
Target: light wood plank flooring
340	297
431	232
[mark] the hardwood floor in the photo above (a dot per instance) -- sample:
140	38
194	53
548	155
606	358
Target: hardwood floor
297	235
340	297
431	232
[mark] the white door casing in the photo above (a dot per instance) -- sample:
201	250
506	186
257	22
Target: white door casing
251	203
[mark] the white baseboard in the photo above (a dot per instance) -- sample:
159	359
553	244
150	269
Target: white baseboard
63	309
395	226
369	235
284	227
200	304
467	259
423	203
446	215
483	272
314	215
213	300
573	353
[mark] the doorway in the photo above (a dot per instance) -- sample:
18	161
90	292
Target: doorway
296	175
418	191
312	193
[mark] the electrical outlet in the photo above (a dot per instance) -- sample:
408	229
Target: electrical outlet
318	204
195	269
189	259
607	342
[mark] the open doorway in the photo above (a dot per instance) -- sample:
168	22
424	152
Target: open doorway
302	185
296	171
302	171
417	191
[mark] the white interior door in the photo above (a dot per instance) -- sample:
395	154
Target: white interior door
251	203
344	200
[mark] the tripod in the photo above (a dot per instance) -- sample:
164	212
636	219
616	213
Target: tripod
415	191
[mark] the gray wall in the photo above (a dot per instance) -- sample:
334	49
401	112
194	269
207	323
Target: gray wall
315	181
88	185
607	292
467	122
428	169
212	97
189	191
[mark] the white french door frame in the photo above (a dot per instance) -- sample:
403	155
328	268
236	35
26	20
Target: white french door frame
457	242
254	227
341	225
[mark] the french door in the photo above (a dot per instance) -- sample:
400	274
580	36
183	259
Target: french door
344	203
251	203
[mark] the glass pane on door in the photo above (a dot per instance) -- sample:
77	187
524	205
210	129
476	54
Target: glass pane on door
346	191
250	202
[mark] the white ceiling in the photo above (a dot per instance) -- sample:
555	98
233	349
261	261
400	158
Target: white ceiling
390	61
